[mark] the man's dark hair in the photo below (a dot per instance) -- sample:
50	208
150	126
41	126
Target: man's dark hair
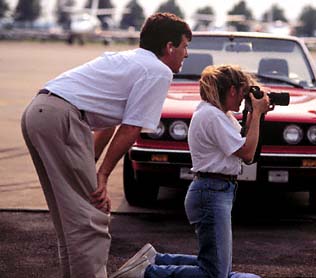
160	28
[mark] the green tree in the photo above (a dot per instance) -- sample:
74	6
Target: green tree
307	19
63	17
274	14
171	7
134	17
27	10
204	17
103	4
4	7
240	9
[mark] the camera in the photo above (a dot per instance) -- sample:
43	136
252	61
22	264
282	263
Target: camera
282	98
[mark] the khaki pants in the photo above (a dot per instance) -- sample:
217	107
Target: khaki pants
61	146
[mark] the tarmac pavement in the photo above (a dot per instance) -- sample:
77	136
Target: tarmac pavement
268	246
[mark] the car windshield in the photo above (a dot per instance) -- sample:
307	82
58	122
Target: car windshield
273	61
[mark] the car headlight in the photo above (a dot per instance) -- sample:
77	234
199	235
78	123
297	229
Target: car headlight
293	134
159	132
178	130
311	134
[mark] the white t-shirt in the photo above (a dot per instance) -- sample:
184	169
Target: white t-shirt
213	137
126	87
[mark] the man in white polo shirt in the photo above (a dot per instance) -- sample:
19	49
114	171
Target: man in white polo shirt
122	91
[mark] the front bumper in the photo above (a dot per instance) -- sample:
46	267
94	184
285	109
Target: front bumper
292	171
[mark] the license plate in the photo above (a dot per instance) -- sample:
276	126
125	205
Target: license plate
278	176
311	163
248	172
186	174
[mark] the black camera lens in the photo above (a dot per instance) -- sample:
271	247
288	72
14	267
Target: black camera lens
279	98
282	98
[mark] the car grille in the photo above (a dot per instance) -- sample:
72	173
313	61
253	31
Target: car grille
271	134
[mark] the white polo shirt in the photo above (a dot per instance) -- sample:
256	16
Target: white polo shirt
213	138
126	87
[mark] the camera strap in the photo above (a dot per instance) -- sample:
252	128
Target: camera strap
260	139
243	122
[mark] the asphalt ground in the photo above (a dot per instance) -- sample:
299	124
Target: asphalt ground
271	245
274	235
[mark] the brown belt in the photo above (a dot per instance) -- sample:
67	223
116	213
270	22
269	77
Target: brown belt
216	176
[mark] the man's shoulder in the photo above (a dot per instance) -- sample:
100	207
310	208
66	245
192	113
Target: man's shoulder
145	61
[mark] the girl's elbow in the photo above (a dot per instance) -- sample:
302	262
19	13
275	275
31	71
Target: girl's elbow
245	155
247	159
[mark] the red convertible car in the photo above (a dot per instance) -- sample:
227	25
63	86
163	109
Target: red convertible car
288	155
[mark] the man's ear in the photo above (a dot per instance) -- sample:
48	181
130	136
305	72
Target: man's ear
169	47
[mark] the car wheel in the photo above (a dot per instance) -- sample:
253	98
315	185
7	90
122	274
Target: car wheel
140	190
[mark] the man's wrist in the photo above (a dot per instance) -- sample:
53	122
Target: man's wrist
103	173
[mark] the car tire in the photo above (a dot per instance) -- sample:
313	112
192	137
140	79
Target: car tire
140	189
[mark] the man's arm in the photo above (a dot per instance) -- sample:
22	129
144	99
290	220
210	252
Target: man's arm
123	139
101	139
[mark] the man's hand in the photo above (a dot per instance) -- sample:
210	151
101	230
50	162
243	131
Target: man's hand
99	198
123	139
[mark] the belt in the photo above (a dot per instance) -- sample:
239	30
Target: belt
47	92
232	178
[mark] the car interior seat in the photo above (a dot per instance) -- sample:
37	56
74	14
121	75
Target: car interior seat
195	63
273	66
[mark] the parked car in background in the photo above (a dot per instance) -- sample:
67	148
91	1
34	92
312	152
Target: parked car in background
288	156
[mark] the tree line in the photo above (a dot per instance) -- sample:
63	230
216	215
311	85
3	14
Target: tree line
30	10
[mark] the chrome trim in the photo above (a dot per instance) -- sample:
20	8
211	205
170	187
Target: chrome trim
288	155
188	152
159	150
287	168
164	163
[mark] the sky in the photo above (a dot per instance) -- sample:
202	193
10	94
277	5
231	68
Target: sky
292	8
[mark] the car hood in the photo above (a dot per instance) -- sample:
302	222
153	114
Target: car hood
183	98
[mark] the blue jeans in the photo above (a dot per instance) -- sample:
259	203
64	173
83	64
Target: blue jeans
208	206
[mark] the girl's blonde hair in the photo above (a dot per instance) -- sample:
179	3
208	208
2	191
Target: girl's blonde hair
216	81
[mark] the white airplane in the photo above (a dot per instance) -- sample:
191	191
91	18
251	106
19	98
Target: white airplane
208	22
85	21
